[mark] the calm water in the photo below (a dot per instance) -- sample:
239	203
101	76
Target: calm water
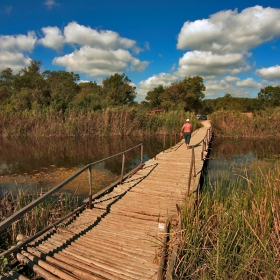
42	163
232	156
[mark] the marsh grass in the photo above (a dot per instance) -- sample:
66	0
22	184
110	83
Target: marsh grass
236	124
234	232
33	221
121	121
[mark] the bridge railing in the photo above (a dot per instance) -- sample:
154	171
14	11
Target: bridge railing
88	168
204	144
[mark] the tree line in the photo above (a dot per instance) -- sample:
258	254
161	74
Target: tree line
61	90
33	90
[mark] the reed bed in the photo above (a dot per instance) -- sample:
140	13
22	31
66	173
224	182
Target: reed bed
236	124
33	221
234	231
121	121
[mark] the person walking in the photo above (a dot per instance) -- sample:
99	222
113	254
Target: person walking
187	130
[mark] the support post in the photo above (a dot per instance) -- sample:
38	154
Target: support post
90	187
141	160
193	157
190	174
123	160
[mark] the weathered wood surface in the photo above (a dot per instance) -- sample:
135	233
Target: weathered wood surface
121	237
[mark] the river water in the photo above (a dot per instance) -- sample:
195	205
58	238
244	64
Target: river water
40	164
232	157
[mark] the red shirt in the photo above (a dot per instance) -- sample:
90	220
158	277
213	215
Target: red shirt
187	127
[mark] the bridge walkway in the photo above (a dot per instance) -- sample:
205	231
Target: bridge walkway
121	237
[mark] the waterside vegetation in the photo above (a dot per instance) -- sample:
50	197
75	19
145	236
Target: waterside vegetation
260	124
234	230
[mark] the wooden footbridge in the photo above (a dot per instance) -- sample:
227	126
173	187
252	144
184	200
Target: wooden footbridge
121	233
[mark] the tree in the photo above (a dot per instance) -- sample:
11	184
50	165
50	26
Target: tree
154	97
63	88
270	96
6	83
117	90
187	93
89	97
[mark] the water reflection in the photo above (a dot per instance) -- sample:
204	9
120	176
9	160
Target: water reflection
233	157
39	162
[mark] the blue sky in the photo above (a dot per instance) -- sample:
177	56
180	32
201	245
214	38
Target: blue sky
233	45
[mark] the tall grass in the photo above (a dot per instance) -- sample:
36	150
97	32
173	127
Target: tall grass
234	232
121	121
236	124
33	221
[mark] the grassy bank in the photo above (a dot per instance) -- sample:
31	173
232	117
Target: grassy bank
234	233
120	121
236	124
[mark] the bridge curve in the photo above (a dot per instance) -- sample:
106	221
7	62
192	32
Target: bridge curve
122	236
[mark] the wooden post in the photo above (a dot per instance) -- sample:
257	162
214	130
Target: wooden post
201	157
123	159
193	156
190	174
141	161
90	187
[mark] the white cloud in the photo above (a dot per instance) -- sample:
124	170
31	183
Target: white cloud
51	3
208	63
270	73
97	53
230	31
231	79
18	42
14	60
53	39
99	62
249	83
163	79
218	88
105	39
12	49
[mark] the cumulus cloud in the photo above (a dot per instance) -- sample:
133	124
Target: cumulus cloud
230	31
18	42
163	79
16	61
236	87
53	39
99	62
12	49
270	73
249	83
220	44
105	39
208	63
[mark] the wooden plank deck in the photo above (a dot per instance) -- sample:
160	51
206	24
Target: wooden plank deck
121	237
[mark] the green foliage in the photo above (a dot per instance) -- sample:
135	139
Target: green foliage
3	264
153	97
117	90
270	96
187	93
229	102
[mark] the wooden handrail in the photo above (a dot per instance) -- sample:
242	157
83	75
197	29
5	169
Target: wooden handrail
7	222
